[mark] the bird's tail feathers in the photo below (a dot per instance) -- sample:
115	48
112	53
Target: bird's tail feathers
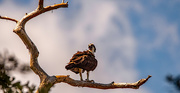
69	66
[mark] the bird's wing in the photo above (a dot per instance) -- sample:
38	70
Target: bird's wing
78	57
89	63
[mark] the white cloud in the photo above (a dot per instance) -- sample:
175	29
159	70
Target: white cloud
94	24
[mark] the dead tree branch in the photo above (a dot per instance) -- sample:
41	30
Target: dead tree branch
112	85
8	18
20	31
39	11
46	81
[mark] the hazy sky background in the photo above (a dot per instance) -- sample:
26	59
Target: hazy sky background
134	39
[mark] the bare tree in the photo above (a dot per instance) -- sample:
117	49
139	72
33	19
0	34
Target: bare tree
47	81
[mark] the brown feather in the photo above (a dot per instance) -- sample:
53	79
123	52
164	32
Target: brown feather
84	60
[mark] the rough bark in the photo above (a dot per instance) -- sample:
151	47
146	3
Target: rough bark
46	81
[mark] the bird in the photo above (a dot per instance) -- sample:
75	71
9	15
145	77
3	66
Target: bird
83	61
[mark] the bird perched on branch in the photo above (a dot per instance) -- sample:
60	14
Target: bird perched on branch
83	61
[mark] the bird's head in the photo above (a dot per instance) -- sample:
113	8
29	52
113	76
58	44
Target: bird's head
92	48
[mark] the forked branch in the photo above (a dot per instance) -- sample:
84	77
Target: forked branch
40	10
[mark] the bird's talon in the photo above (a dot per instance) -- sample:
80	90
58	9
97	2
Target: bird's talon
91	81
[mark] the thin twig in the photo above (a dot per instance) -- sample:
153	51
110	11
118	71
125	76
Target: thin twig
41	4
8	18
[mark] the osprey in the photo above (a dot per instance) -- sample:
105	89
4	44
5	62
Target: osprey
83	61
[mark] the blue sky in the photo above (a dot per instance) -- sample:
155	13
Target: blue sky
134	39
